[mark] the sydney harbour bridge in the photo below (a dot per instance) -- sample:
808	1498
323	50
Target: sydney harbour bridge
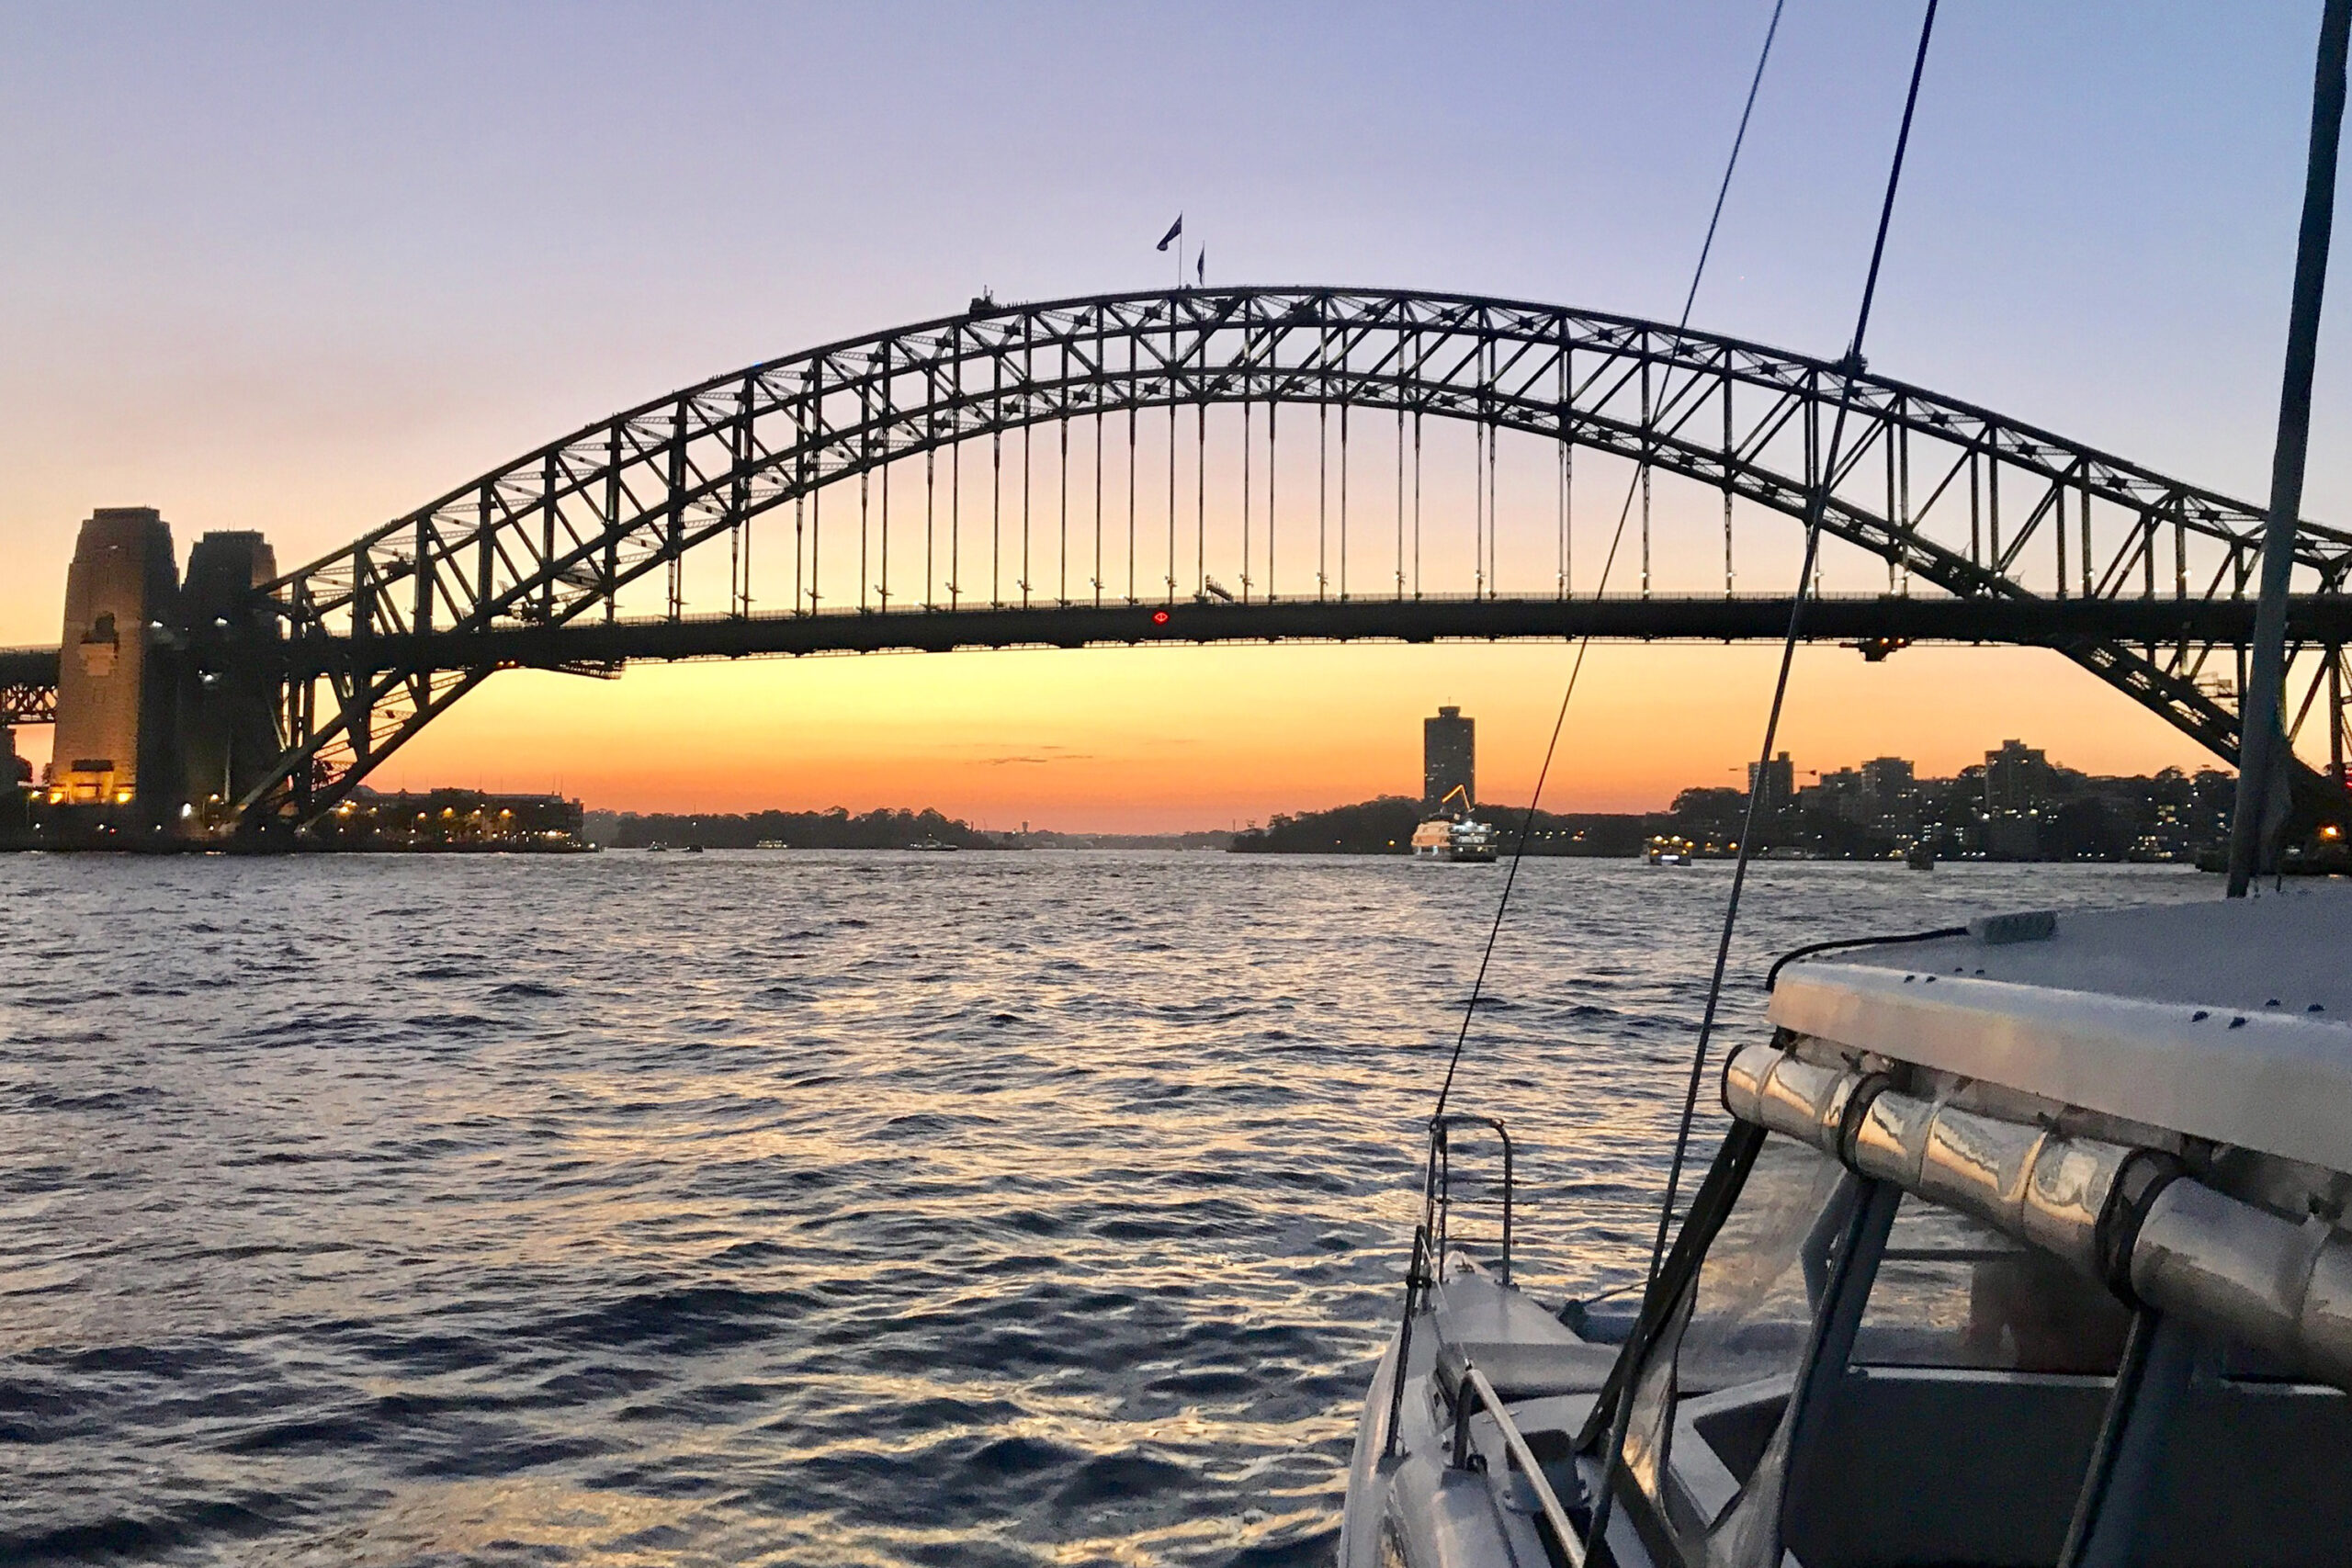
1205	464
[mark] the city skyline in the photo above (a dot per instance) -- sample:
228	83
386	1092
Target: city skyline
2062	255
1083	755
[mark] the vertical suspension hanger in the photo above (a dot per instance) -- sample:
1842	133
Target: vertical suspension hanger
996	484
1027	428
1061	478
1131	414
1249	433
1727	485
1322	498
1493	513
865	477
1560	464
1200	493
1400	491
1172	455
1646	478
1343	500
1098	490
1903	464
1492	422
1102	391
1478	510
1273	467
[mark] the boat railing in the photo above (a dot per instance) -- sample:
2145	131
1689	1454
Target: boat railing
1438	1198
1475	1387
1431	1239
1417	1279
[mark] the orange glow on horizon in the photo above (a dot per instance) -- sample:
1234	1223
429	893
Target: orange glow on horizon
1164	739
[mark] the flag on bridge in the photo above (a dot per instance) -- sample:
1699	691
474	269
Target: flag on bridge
1173	230
1201	267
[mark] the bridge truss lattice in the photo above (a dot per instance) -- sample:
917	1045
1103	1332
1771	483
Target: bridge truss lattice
1959	502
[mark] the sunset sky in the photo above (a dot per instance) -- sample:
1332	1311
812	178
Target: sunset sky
302	269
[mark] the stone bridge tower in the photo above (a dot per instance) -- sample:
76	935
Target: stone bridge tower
115	745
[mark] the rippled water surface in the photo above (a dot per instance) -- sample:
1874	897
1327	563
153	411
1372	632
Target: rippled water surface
794	1207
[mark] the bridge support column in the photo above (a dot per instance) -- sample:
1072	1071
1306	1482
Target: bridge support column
114	777
228	696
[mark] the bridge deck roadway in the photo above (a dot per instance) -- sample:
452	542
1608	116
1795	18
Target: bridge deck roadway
2034	623
28	667
2044	623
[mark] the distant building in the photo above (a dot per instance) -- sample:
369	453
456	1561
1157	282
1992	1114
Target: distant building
1890	782
2018	779
1449	759
1778	781
1840	791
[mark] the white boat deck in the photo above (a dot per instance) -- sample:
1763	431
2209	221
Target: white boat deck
2229	1021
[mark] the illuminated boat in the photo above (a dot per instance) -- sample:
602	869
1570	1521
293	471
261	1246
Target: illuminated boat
1443	838
2025	1246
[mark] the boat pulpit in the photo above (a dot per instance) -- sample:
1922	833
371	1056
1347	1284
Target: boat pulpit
2023	1246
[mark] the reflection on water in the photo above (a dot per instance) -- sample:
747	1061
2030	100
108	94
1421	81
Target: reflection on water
795	1208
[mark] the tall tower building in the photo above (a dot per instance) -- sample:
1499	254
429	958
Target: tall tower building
114	705
1778	780
1449	762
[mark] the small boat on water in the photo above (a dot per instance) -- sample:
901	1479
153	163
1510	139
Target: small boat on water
1444	838
1920	857
934	846
2027	1235
1671	852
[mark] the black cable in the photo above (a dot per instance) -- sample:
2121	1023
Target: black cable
1816	505
1527	826
1772	975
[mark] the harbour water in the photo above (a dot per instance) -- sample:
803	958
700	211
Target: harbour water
798	1208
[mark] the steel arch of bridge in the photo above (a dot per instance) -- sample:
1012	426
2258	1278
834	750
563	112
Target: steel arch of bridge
1958	501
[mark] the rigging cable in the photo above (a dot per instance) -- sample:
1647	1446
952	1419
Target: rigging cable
1527	826
1825	477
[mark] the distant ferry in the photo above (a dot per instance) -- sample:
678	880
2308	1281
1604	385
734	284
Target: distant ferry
1442	838
934	846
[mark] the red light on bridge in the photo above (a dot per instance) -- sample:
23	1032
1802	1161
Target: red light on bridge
1160	618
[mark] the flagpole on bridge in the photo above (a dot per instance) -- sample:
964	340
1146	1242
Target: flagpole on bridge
1175	236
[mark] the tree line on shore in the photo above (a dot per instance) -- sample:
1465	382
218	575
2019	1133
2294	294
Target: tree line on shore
1384	826
834	829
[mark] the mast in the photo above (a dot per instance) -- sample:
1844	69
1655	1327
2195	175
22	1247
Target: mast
2264	756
